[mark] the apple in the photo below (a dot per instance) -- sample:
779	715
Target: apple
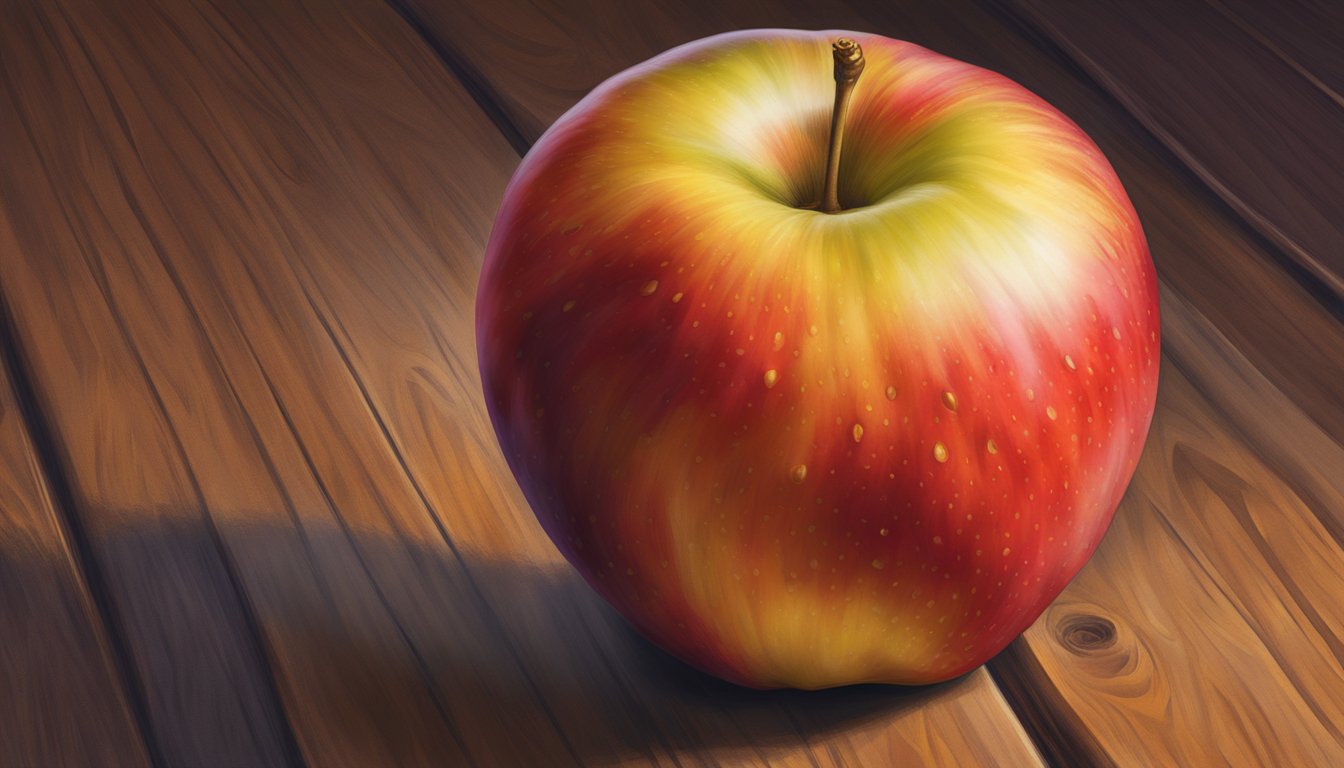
807	445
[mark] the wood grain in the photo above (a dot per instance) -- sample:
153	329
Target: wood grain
171	586
1195	655
1264	137
1308	35
270	245
1203	630
62	700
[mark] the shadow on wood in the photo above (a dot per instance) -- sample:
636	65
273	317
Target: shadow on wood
616	694
629	699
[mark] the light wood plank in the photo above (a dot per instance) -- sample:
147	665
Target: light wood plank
280	221
1204	629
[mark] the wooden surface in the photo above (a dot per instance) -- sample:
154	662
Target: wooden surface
251	500
63	698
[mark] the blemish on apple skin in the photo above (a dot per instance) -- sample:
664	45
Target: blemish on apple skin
568	306
649	288
676	297
1050	411
771	378
798	474
1068	361
857	432
940	452
812	331
891	393
778	341
991	447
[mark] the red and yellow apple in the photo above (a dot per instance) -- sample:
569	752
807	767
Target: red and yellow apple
807	449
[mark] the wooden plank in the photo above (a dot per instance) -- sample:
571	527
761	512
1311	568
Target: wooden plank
178	432
1206	629
171	588
62	701
1247	122
533	65
274	238
1308	35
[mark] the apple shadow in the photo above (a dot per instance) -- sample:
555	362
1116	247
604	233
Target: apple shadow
415	654
528	661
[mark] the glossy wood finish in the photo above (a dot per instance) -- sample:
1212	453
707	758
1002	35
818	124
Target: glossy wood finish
239	243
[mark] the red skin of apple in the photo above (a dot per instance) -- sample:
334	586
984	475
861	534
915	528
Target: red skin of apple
788	464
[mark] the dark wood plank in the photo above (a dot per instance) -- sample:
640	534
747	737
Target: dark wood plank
534	63
1247	122
1195	636
62	701
1308	35
273	243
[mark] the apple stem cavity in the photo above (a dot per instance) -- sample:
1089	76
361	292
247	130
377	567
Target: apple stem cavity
848	67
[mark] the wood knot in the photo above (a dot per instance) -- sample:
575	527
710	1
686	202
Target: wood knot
1084	634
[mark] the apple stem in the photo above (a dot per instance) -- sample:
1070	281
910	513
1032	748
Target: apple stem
848	67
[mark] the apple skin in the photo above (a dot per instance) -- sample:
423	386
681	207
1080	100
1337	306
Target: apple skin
806	450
